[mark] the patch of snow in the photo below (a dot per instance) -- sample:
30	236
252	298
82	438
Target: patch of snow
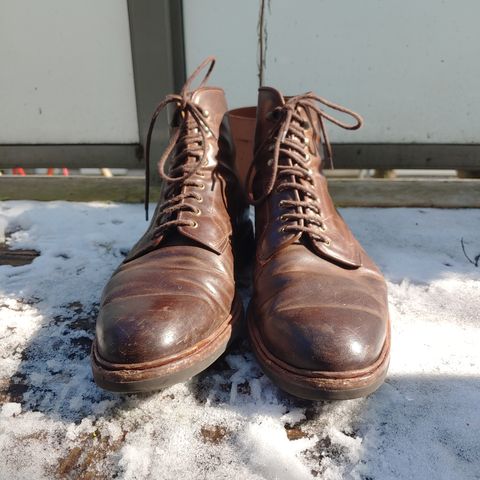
3	228
231	421
10	409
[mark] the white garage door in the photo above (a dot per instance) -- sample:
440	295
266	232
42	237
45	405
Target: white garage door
66	72
410	68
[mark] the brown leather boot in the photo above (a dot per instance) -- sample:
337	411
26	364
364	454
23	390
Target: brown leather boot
318	319
171	308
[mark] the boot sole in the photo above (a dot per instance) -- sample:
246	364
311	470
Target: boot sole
162	373
318	385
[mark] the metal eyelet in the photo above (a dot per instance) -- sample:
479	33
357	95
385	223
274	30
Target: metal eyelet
281	230
327	242
283	218
201	186
306	141
270	162
197	211
199	199
323	227
194	225
307	157
206	113
271	148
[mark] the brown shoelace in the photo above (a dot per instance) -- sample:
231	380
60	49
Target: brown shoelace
288	140
189	142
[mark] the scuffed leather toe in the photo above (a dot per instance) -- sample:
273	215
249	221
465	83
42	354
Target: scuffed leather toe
151	314
151	327
334	322
323	343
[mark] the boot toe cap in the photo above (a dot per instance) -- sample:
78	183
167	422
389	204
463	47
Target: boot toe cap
153	311
151	327
334	339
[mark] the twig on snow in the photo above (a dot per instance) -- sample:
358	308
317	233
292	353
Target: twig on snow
476	259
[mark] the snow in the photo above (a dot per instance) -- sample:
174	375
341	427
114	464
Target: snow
231	421
3	226
11	409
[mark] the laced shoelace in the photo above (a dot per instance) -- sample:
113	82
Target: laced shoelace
189	141
288	140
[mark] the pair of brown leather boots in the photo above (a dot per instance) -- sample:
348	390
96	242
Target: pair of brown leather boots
318	318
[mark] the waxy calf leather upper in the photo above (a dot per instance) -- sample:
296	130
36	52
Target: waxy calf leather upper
176	287
319	301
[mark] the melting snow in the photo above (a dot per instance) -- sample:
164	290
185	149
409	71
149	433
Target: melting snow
231	421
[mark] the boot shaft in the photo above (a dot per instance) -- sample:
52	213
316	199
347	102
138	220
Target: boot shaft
289	149
201	199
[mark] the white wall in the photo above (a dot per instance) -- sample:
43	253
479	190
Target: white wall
228	30
66	72
411	68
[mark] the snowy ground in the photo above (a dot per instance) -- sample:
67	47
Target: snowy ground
231	422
